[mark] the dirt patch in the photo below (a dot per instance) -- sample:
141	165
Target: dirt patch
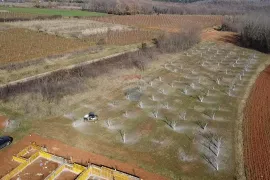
3	122
219	36
132	77
66	174
37	170
257	129
61	149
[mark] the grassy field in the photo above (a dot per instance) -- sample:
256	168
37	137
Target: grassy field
61	12
178	120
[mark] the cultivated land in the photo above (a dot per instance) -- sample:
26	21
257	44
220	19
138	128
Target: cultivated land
90	31
176	118
168	23
257	129
44	11
21	45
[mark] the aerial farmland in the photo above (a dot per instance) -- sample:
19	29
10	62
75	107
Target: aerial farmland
130	94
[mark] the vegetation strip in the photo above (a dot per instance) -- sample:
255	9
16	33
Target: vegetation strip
44	11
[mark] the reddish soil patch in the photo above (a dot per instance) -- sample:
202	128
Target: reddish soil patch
37	170
66	175
164	22
30	153
132	77
257	129
219	36
60	149
3	121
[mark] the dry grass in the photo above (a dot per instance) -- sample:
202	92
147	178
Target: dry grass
70	27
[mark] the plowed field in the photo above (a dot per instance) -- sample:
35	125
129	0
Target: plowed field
168	23
21	44
257	129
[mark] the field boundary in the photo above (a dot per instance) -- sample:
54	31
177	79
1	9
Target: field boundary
67	68
239	126
18	65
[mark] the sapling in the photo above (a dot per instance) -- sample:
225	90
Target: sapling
155	113
218	146
153	98
173	124
218	79
141	104
162	91
204	127
126	114
229	92
233	87
208	92
185	90
128	97
123	135
183	115
199	80
200	98
192	85
213	115
166	105
108	123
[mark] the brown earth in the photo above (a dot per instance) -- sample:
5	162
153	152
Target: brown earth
60	149
167	23
21	45
3	121
210	34
66	175
257	129
37	170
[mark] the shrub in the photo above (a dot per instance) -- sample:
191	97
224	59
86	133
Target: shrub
178	41
253	28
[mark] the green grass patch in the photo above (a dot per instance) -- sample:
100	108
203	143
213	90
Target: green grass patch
44	11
